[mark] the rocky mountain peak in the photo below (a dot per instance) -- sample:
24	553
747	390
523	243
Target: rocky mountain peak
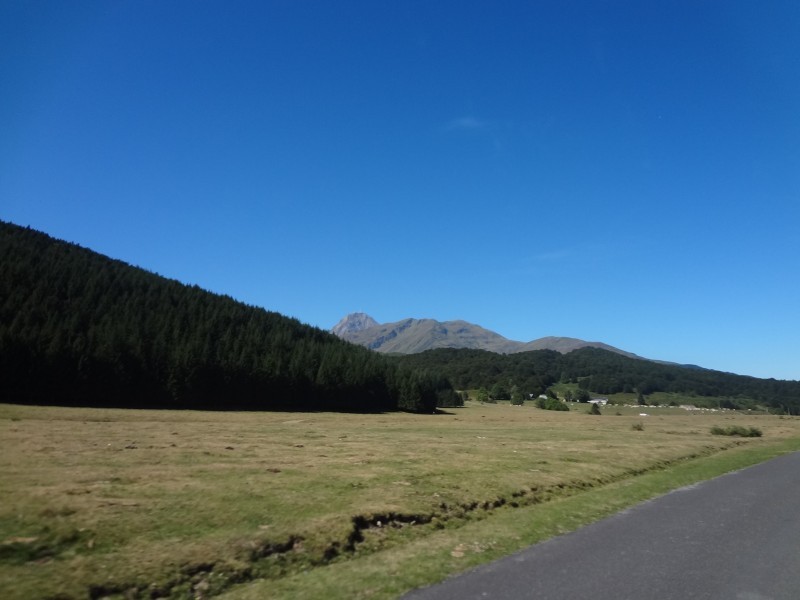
353	323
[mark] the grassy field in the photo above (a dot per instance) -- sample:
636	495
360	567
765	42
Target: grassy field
127	503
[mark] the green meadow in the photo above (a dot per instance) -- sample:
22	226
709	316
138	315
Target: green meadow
145	504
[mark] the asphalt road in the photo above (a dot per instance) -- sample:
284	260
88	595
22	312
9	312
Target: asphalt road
736	537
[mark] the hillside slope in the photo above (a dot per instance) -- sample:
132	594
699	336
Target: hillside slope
564	345
77	327
602	372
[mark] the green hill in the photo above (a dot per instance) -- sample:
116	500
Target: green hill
79	328
602	372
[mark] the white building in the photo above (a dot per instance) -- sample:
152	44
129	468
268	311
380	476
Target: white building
600	401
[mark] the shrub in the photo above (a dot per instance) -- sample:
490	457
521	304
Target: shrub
638	426
594	409
736	430
550	404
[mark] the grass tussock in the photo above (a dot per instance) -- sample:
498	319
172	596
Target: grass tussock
736	430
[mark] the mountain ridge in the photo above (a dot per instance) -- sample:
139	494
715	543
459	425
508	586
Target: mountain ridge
411	336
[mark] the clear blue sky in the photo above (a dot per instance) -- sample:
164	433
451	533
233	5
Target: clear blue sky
627	172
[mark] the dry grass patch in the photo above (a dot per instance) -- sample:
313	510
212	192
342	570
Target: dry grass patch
96	502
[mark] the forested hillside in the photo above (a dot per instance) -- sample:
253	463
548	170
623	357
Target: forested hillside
79	328
599	371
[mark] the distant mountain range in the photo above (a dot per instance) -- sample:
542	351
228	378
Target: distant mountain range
411	336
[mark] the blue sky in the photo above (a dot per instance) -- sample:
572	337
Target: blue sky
627	172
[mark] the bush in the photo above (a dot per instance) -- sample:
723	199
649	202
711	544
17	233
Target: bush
638	426
594	409
550	404
736	430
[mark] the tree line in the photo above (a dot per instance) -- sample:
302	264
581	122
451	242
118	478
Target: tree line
600	372
79	328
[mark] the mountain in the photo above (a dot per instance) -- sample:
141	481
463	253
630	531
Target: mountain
411	336
353	323
568	344
79	328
